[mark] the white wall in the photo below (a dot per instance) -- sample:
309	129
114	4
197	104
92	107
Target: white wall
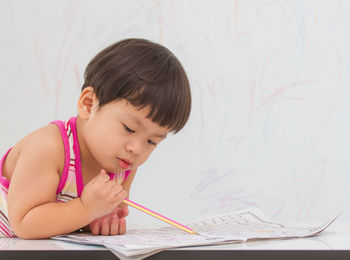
270	84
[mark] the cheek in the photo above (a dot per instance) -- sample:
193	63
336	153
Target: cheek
114	143
106	139
146	155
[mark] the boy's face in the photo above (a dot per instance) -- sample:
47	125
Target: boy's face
120	137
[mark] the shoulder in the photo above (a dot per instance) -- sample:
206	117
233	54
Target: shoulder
46	145
48	137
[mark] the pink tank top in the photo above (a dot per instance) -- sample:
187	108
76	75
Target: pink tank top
71	183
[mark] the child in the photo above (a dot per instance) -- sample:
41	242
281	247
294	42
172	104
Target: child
60	178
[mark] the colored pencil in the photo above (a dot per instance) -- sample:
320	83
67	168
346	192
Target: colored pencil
158	216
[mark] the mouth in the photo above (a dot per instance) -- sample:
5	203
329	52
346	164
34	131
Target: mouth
124	163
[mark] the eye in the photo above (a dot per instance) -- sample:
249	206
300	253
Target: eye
128	129
151	142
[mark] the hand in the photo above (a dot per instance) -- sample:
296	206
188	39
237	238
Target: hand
102	195
112	224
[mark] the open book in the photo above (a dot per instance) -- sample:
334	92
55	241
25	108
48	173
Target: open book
229	228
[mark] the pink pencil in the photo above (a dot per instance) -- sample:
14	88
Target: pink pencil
158	216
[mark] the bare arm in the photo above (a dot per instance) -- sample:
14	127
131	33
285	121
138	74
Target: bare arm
33	212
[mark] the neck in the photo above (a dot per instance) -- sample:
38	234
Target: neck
89	165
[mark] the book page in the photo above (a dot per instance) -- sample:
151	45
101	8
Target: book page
233	227
246	225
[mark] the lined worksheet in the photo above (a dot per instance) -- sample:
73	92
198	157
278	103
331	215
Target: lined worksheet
246	225
229	228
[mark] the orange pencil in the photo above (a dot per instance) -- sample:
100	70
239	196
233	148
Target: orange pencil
158	216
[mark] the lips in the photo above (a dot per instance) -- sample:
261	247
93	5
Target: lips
123	163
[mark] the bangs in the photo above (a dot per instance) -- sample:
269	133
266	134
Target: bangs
169	106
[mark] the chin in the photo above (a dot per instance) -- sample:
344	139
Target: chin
109	168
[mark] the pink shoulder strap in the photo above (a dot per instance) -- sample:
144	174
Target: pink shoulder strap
76	149
126	174
63	132
4	181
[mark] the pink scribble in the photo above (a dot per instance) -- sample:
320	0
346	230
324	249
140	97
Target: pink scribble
262	94
284	6
245	40
273	97
216	88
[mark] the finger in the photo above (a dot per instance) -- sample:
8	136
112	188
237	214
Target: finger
123	212
115	212
118	198
114	225
116	189
105	226
95	227
122	226
113	185
102	176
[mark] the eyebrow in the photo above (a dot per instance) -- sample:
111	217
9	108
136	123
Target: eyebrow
161	136
138	121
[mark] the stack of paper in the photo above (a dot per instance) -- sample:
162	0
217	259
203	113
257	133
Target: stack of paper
230	228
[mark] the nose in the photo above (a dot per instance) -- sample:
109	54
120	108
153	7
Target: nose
135	147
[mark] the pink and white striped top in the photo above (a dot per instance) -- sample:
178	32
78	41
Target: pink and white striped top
71	183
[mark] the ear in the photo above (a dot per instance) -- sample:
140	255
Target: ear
87	102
